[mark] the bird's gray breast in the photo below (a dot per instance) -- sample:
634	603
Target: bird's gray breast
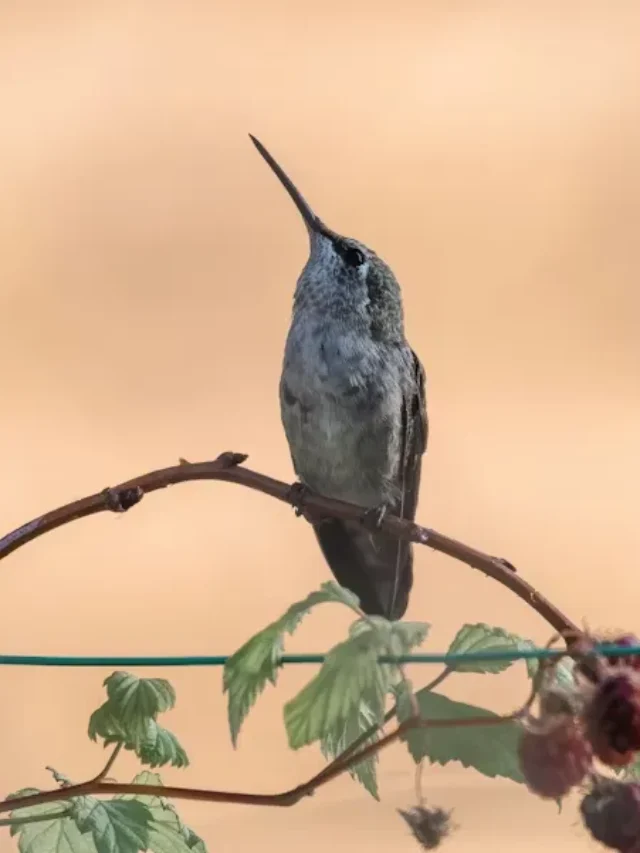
341	397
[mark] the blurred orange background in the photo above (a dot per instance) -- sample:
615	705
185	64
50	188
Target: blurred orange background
490	152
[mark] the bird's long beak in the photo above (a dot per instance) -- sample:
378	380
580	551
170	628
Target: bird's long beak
314	223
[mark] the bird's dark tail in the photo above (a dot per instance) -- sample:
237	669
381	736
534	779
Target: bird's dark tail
376	567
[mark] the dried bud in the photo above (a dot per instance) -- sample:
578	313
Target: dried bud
613	719
611	813
429	826
556	701
555	759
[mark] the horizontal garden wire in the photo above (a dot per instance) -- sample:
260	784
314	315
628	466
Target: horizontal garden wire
450	660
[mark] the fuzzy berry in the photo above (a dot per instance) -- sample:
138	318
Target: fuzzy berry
554	761
626	641
611	813
613	719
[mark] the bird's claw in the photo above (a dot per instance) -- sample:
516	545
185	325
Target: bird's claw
373	518
296	497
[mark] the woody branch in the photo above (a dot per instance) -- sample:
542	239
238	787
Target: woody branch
228	468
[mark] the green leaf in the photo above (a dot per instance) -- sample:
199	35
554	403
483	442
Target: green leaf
116	826
247	672
167	833
255	663
129	717
330	592
406	636
350	671
153	744
160	746
363	718
132	701
105	724
58	835
478	638
365	713
331	703
195	843
490	749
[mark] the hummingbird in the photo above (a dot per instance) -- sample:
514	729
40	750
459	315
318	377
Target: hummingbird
352	404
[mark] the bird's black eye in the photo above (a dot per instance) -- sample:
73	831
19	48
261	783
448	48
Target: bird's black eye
353	257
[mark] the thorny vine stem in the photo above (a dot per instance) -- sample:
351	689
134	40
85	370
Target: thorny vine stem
228	467
283	799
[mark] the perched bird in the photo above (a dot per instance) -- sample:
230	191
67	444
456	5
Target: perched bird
352	400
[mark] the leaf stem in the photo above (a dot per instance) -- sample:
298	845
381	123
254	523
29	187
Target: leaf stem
107	767
36	818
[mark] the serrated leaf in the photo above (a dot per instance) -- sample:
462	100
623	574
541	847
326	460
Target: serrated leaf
160	746
406	636
196	844
255	663
153	744
104	723
116	826
365	716
132	701
129	717
350	671
329	592
247	672
58	835
167	832
479	638
490	749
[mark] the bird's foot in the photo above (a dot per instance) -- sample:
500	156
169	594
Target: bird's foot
296	496
373	518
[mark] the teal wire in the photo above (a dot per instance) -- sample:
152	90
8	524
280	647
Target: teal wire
499	655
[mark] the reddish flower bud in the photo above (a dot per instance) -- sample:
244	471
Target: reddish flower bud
613	719
556	760
611	813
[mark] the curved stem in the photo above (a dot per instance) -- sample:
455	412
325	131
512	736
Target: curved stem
228	468
282	799
107	767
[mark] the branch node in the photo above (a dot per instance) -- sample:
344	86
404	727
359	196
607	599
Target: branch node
506	564
120	500
229	459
